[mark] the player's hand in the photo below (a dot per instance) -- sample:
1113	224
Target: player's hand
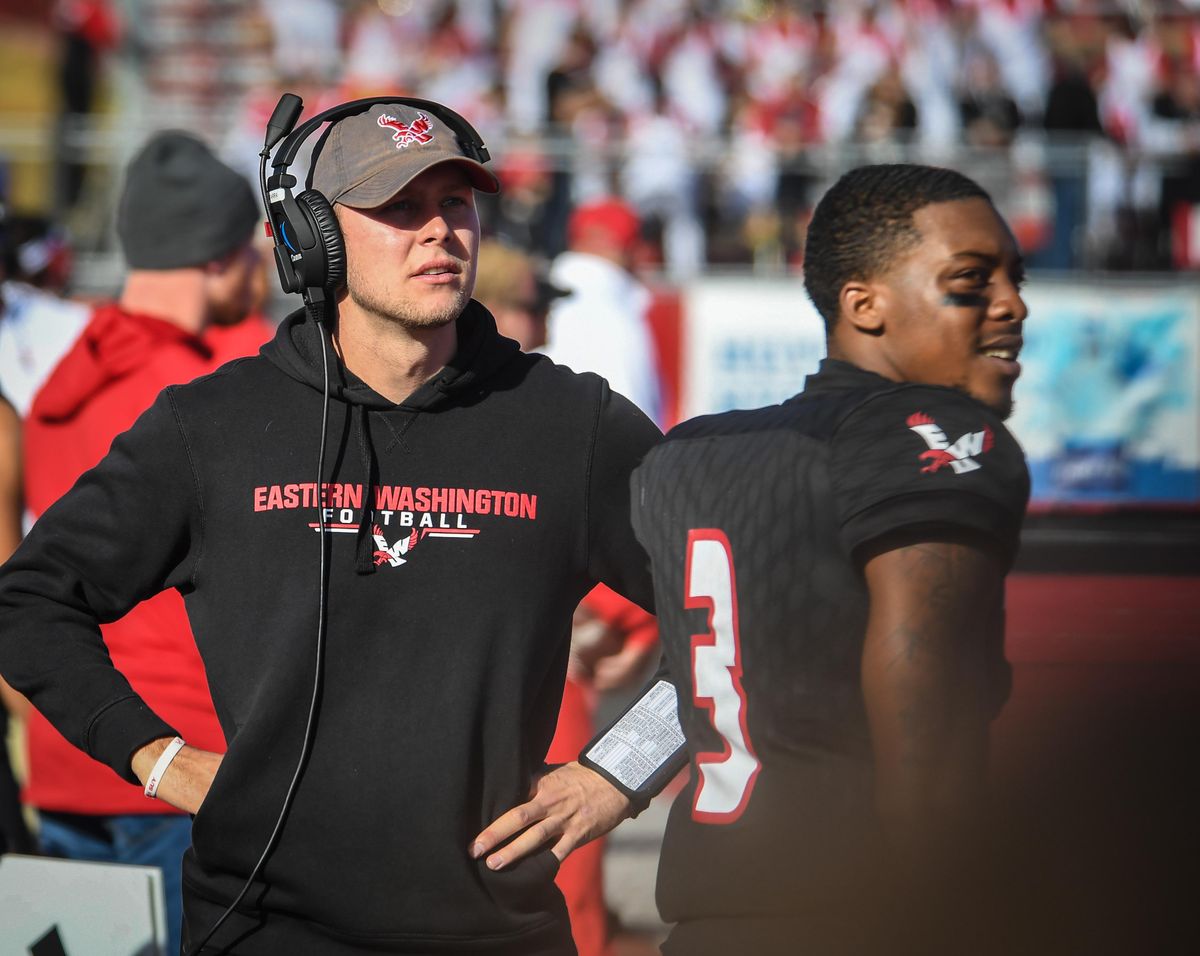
186	781
592	640
625	667
13	701
568	806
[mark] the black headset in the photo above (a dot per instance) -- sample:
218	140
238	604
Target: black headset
309	252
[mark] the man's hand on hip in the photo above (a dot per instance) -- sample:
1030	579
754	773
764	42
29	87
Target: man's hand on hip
185	783
569	805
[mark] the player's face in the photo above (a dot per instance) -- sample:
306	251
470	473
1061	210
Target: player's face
955	312
413	260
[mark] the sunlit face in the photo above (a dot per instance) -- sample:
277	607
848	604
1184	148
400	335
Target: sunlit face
952	309
413	260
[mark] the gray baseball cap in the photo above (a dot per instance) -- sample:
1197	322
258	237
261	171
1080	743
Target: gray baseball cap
369	157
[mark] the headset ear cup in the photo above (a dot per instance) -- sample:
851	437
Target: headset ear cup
325	227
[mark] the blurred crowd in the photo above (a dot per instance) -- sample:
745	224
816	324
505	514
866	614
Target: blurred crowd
721	121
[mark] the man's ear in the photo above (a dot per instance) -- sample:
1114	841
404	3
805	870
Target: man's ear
862	305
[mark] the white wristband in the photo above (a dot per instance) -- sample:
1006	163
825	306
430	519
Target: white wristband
161	765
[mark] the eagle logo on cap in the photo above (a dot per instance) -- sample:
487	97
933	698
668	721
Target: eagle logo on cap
419	131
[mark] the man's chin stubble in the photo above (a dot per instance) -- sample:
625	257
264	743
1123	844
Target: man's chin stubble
407	319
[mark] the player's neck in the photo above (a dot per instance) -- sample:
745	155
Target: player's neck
856	348
393	359
173	295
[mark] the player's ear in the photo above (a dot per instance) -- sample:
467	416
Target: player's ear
862	305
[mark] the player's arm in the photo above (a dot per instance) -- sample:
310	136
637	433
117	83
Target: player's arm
925	682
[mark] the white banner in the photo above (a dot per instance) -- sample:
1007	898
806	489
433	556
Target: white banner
747	342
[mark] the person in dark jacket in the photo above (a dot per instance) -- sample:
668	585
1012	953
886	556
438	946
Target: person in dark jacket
392	632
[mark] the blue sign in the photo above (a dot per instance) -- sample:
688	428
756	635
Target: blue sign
1107	407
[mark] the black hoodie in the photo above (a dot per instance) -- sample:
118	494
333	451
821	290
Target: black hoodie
500	496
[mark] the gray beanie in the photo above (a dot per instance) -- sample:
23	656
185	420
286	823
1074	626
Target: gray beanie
181	206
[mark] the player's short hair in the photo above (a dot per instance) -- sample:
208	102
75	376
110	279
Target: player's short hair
866	219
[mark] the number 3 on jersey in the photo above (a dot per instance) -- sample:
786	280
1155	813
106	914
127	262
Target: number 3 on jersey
726	777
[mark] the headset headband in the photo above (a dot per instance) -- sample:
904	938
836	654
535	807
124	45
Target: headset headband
469	140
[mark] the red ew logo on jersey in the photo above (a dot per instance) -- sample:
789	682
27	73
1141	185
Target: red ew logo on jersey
960	456
419	131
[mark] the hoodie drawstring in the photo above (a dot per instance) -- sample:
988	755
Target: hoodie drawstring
364	541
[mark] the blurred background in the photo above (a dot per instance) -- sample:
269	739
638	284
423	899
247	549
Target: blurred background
720	123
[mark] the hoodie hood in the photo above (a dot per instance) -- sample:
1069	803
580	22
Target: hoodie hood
112	345
296	350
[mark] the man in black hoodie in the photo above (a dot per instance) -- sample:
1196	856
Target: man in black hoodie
471	495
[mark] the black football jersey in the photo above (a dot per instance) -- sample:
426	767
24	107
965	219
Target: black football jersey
754	522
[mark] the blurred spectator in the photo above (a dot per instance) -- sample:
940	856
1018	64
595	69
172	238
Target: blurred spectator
36	327
36	252
660	180
1012	31
186	224
1174	132
990	116
86	29
521	212
570	87
887	112
511	284
533	36
14	835
602	327
233	334
1071	117
697	74
576	108
306	35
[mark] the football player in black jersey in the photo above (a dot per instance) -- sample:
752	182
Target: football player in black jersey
829	577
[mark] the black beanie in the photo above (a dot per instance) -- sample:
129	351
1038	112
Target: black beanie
181	206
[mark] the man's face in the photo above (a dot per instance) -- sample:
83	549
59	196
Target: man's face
232	285
412	261
953	311
524	319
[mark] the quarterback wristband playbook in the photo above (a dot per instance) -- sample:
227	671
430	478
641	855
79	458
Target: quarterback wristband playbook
644	748
161	765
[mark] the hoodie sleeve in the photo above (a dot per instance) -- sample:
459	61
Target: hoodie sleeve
623	435
129	528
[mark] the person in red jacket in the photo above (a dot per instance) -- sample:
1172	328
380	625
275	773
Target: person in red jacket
185	224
